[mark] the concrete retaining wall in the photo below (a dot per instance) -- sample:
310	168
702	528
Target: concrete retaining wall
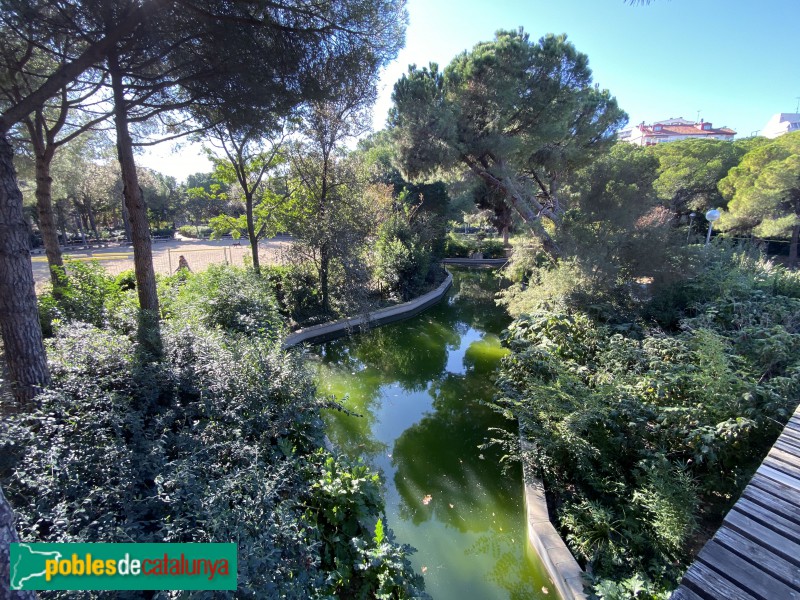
475	262
561	566
335	329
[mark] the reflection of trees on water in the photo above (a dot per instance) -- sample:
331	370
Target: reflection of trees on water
439	456
358	389
509	572
484	355
410	354
472	301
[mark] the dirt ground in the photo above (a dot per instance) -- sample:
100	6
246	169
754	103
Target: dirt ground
199	254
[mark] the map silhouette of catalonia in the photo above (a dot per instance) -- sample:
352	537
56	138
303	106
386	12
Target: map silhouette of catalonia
29	564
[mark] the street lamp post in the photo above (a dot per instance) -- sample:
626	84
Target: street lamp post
692	215
711	216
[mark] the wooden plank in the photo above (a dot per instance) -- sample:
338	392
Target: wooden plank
787	480
684	593
782	455
710	584
788	445
789	469
777	489
790	435
744	574
766	560
770	538
793	425
781	462
768	518
776	503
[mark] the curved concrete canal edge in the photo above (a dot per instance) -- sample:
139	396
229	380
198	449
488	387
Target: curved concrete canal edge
335	329
561	566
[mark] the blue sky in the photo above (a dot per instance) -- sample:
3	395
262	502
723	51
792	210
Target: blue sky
736	61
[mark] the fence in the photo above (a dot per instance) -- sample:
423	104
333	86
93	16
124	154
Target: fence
166	260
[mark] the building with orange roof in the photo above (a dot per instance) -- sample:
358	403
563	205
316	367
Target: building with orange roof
672	130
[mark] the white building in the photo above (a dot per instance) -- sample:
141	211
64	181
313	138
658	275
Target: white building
781	123
674	129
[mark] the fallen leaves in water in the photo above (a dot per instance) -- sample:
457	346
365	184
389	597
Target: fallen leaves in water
427	499
424	569
451	506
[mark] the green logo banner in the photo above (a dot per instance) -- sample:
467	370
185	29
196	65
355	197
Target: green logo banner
38	566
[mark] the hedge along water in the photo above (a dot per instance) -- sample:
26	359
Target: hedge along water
419	386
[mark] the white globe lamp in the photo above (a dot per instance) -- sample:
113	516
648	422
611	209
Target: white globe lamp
711	216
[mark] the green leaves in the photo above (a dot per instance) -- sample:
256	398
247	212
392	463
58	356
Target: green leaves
517	114
641	435
379	535
763	191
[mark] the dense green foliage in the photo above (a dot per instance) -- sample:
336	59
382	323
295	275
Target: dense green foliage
615	236
405	253
86	293
646	438
199	231
764	192
517	114
296	292
220	441
235	300
689	171
461	246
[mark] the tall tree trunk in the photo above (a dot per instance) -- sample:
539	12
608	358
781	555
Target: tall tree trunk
81	231
793	247
523	201
87	202
126	220
251	232
19	315
47	223
324	251
324	270
149	335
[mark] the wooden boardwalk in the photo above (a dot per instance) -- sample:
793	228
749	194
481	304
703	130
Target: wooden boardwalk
756	552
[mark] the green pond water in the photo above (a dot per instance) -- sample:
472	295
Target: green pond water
418	386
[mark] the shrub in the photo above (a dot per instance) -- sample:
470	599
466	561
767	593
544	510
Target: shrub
459	246
716	271
346	497
195	231
403	255
85	293
491	248
296	291
642	436
231	298
163	232
218	443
